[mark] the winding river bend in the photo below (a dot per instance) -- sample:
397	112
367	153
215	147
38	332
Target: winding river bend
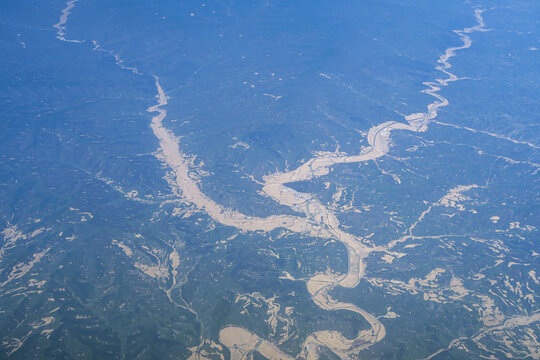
318	221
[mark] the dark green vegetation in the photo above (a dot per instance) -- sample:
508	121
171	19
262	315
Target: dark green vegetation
91	226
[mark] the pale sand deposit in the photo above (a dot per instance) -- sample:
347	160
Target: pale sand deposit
318	221
60	26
